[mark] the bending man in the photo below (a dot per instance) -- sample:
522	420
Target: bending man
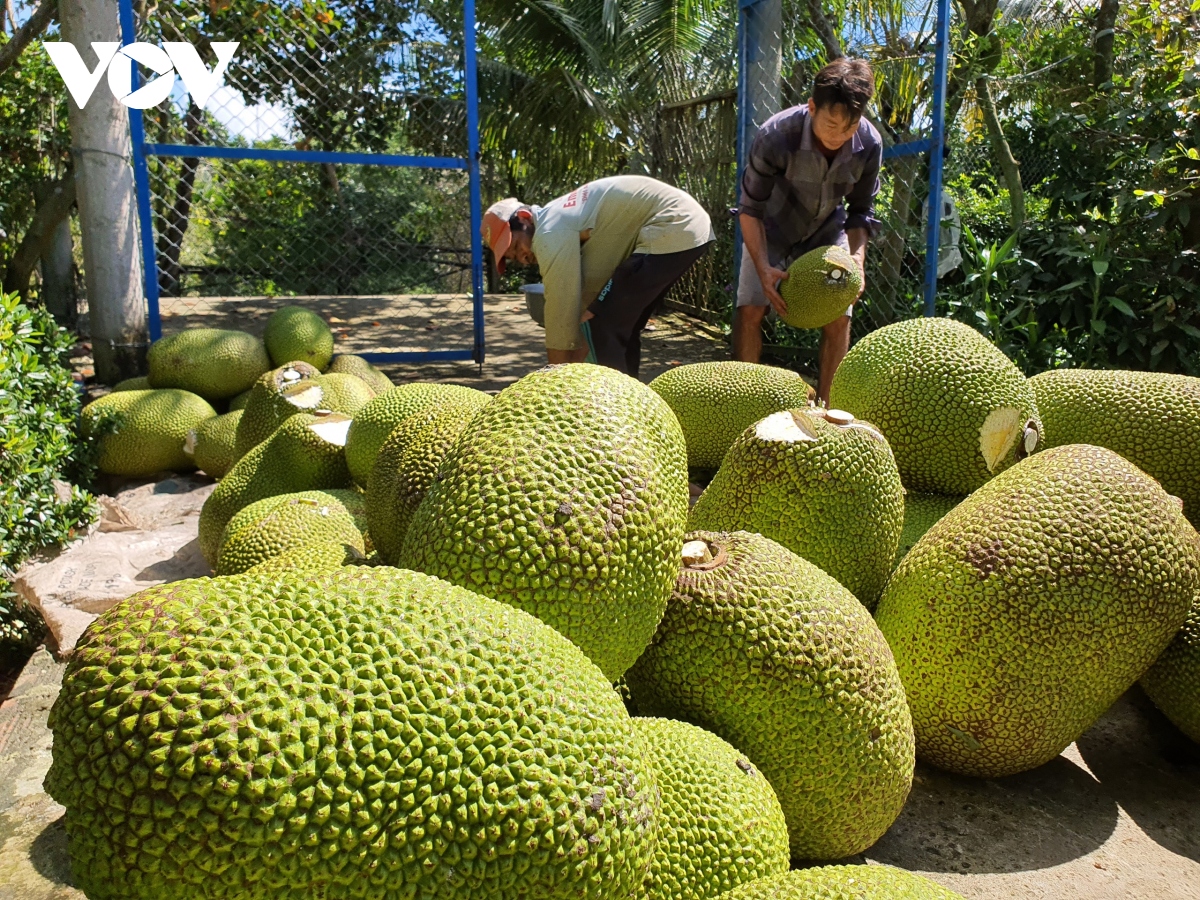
608	252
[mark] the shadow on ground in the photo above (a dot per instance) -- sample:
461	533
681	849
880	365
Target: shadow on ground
48	853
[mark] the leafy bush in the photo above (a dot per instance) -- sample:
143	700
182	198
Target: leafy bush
39	451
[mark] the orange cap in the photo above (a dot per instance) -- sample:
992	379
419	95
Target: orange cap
496	232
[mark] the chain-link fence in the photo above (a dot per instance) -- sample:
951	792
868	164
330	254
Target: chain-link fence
331	171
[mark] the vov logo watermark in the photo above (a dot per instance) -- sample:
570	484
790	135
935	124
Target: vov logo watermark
165	61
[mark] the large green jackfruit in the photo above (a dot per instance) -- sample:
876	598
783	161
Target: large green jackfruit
280	395
306	453
844	883
370	734
296	334
405	467
240	401
348	364
142	433
567	498
954	409
1034	604
375	421
764	649
1150	418
211	444
140	383
312	559
285	523
819	287
716	401
215	363
822	484
1173	682
720	824
921	512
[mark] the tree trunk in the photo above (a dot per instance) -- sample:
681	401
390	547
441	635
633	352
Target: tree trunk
107	213
58	281
54	203
978	16
1004	156
825	31
170	242
1106	23
22	36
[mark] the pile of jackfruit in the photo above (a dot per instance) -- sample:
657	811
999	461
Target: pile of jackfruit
590	638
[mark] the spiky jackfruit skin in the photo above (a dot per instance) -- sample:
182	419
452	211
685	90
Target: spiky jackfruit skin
1034	604
240	401
404	469
844	883
720	823
1150	418
921	512
215	363
830	493
931	385
1173	682
764	649
140	383
716	401
371	733
286	523
819	287
566	498
375	421
294	333
305	453
267	404
143	432
211	444
349	364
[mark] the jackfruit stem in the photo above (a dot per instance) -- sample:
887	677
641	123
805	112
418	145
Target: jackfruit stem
696	552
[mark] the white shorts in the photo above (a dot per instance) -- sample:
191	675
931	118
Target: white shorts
750	289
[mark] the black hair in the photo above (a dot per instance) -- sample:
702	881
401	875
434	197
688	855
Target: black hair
519	225
844	82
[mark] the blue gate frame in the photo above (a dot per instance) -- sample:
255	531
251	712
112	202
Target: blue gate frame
749	26
470	163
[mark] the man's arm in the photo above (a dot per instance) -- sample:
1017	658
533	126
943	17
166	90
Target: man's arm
560	265
857	238
754	236
763	165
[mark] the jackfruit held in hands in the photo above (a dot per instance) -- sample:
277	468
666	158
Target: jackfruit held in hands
305	453
822	484
285	523
1150	418
371	733
1173	682
348	364
716	401
296	334
1034	604
406	466
211	444
142	433
819	287
375	421
766	650
567	498
844	883
720	824
954	409
212	362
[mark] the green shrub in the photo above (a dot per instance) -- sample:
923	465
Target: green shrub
40	453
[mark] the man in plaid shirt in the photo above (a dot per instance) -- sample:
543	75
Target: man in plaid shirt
810	181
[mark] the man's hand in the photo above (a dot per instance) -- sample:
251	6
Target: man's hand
857	239
770	278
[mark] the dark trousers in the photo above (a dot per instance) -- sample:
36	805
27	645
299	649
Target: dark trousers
631	297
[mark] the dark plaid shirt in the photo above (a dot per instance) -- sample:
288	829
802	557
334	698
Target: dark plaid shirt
797	192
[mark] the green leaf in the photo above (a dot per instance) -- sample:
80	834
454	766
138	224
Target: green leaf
1100	266
1118	303
1098	326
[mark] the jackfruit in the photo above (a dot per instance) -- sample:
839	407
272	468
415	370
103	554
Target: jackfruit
1150	418
1034	604
240	401
375	421
921	512
140	383
821	484
296	334
348	364
313	559
567	498
405	467
716	401
954	409
720	823
844	883
1173	682
211	444
212	362
142	433
819	287
278	525
370	733
764	649
272	401
306	453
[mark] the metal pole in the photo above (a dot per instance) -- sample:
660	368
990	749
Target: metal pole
936	156
743	112
472	87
